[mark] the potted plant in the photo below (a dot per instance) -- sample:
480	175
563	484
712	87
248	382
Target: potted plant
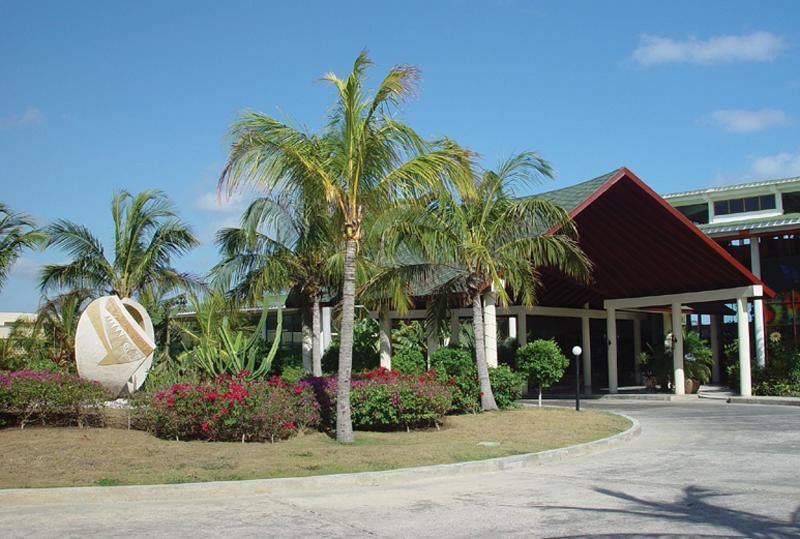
697	362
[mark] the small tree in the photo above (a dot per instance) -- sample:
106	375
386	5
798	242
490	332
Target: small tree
543	362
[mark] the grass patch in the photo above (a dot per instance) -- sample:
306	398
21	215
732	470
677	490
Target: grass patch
49	457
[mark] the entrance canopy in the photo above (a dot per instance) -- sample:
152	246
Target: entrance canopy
639	245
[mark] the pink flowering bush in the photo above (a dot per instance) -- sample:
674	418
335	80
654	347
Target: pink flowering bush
48	397
232	409
387	400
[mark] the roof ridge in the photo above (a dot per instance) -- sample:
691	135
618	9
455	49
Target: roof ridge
607	175
733	187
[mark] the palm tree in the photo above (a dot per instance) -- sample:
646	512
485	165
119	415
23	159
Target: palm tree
17	232
282	244
484	240
57	320
365	161
163	303
147	235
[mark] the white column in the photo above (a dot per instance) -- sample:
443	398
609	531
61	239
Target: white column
586	343
490	327
637	348
455	327
714	343
327	333
385	340
677	350
611	332
758	306
744	347
307	344
512	327
522	329
667	320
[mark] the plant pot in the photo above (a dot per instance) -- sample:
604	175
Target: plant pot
691	386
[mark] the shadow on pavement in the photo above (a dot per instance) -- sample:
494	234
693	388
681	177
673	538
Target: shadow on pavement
696	507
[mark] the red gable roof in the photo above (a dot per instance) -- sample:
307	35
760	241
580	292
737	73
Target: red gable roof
642	246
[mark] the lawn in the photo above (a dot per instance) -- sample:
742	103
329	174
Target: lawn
49	457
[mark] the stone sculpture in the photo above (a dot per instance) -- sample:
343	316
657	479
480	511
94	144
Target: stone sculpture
114	344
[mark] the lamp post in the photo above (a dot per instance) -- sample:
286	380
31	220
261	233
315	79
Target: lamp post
576	351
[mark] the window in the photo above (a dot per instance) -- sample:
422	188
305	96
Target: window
742	205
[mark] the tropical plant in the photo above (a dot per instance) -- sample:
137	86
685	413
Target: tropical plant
58	321
409	361
284	242
482	240
147	235
163	306
507	385
543	362
217	349
365	160
46	341
365	348
17	232
697	357
458	366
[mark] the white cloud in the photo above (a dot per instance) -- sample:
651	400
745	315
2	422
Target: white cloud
776	166
30	116
756	47
221	203
25	268
746	121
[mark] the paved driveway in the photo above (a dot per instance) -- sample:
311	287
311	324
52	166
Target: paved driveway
703	468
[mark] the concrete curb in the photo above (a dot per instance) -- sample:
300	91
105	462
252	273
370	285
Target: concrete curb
782	401
150	493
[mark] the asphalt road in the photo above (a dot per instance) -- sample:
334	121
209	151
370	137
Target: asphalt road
698	469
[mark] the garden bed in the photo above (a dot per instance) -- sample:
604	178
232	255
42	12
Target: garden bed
49	457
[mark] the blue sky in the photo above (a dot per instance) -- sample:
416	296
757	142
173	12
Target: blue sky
98	96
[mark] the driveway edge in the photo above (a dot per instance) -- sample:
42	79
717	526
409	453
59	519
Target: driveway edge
252	487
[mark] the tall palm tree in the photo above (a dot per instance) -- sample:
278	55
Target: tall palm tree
17	232
365	160
283	243
483	239
147	235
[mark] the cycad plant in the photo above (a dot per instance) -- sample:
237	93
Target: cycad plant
482	239
364	161
147	236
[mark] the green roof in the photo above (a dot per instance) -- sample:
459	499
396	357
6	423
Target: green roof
570	197
787	220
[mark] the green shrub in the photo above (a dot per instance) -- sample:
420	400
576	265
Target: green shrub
409	361
507	352
457	366
697	358
543	362
365	348
387	400
408	335
292	374
507	385
46	396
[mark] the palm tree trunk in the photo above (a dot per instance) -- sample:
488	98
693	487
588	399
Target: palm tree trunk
308	339
316	348
487	397
344	423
